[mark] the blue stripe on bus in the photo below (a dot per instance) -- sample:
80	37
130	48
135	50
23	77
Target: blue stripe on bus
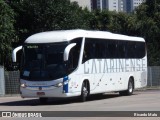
65	84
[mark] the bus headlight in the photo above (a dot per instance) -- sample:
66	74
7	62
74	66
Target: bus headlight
23	85
58	85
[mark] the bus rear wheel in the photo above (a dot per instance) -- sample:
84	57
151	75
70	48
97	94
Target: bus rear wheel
130	89
84	92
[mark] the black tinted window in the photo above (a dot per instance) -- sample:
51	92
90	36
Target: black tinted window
74	54
113	49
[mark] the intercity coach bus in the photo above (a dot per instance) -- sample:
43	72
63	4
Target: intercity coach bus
69	63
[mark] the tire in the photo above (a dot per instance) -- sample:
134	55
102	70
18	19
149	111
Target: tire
84	92
43	100
130	89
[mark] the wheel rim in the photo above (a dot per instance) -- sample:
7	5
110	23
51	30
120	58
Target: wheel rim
130	87
85	92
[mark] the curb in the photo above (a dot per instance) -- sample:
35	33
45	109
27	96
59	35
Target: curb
11	95
148	88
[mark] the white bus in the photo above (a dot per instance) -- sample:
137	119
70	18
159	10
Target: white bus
71	63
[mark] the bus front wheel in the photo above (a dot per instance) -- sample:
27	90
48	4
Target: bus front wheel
84	92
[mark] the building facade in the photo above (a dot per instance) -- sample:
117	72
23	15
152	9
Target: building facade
130	5
99	4
136	3
111	5
116	5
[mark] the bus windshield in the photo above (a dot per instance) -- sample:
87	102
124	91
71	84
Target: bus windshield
43	61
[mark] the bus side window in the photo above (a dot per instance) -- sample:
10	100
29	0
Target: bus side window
121	49
100	49
140	49
112	49
74	54
130	53
89	50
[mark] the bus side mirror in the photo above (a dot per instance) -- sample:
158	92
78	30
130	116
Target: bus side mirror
67	50
14	57
14	53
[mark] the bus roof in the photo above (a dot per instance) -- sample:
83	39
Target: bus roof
67	35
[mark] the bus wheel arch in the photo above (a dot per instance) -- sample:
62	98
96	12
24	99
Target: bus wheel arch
132	79
130	87
85	90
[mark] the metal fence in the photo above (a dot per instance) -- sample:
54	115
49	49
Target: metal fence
11	85
12	82
153	76
2	81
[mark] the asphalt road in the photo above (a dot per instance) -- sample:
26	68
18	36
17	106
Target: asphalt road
148	100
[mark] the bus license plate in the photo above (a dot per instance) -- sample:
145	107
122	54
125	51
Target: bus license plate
40	93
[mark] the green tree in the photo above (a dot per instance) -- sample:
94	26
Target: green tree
148	26
45	15
119	22
6	33
104	20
